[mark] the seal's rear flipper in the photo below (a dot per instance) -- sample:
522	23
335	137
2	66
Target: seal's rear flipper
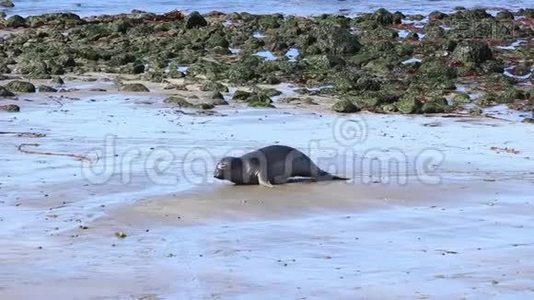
339	178
325	176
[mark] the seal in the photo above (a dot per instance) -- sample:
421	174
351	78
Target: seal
270	165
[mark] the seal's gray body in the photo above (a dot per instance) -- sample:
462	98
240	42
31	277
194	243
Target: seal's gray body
270	165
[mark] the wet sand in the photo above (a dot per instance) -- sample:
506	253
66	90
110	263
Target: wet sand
468	236
339	241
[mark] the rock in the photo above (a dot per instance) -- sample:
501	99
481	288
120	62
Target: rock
475	111
510	94
367	83
216	95
217	40
472	14
195	20
528	12
213	86
4	68
437	15
269	21
323	62
246	69
18	86
69	19
138	68
412	36
46	89
389	108
487	99
520	70
383	16
37	68
270	79
57	80
134	87
472	52
398	17
374	101
220	50
336	40
409	104
178	101
259	100
260	104
345	106
435	73
379	66
493	66
122	25
205	106
7	3
218	102
15	21
528	120
436	105
289	99
217	99
10	108
309	101
5	92
241	95
379	33
434	32
270	92
461	98
504	15
135	68
343	82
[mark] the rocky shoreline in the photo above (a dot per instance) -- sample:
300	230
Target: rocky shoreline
380	62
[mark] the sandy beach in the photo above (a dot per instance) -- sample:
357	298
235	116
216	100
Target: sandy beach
112	126
396	235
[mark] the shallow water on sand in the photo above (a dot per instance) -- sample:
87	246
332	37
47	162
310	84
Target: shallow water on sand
295	7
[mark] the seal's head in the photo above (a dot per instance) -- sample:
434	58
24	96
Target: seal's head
227	167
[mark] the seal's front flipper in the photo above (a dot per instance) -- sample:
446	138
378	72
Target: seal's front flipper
264	181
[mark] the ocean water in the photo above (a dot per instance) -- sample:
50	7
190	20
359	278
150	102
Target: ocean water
295	7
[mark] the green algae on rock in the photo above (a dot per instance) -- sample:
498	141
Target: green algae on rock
17	86
409	104
435	105
178	101
241	95
46	89
345	106
134	87
4	92
364	58
214	87
15	21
